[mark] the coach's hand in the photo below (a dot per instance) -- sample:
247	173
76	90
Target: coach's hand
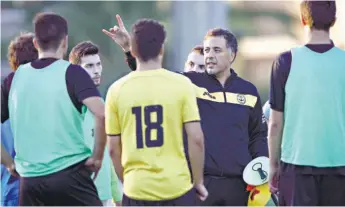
94	165
201	191
273	179
119	34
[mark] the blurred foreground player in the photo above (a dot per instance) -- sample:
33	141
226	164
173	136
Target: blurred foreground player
231	116
51	92
21	50
86	54
307	121
146	112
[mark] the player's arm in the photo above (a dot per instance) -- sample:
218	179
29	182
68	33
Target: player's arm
5	90
6	159
191	119
279	74
115	187
87	93
115	151
257	131
113	130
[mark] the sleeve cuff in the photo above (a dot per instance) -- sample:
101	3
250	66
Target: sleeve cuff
128	54
113	134
276	108
191	121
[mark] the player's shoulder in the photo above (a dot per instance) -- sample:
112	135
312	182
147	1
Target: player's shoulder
284	56
76	73
177	77
340	51
118	84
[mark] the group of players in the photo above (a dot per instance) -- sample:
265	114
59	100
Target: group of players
156	120
87	55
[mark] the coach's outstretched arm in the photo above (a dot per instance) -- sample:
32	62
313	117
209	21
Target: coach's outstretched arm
257	131
121	37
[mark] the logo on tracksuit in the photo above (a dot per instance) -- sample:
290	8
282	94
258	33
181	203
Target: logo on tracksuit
241	99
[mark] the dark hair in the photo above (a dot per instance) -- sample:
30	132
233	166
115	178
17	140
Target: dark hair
21	50
231	41
319	15
50	29
148	36
199	49
82	49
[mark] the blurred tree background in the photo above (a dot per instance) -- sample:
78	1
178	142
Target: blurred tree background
263	29
86	21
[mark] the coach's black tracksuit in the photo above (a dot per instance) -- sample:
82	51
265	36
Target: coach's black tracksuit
235	133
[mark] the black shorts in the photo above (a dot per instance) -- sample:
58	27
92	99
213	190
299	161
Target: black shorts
311	190
187	199
72	186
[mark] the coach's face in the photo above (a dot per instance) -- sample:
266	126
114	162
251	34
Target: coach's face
93	66
195	62
217	56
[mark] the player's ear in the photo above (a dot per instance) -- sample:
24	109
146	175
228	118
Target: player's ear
304	22
132	48
161	52
35	44
65	42
335	19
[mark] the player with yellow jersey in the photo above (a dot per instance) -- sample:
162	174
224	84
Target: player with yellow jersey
146	112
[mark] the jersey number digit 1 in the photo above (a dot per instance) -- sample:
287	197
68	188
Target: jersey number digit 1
148	110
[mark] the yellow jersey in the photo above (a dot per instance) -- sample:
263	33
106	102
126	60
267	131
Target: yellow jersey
148	109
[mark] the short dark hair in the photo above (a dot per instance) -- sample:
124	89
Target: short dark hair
50	29
149	36
231	41
82	49
319	15
198	49
21	50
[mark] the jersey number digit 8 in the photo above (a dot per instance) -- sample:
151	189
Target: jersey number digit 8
150	125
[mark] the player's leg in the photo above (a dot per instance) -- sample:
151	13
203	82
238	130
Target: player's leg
234	191
332	190
72	187
298	190
31	191
214	188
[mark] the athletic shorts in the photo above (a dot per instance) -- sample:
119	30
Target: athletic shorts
72	186
188	199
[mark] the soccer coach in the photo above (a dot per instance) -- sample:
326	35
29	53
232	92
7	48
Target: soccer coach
231	116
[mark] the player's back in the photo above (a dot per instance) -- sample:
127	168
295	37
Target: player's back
152	107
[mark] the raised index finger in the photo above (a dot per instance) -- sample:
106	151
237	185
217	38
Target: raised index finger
119	21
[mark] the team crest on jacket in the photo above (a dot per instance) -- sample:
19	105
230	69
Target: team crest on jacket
241	99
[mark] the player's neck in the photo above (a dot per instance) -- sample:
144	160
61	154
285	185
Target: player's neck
149	65
318	37
223	76
50	54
